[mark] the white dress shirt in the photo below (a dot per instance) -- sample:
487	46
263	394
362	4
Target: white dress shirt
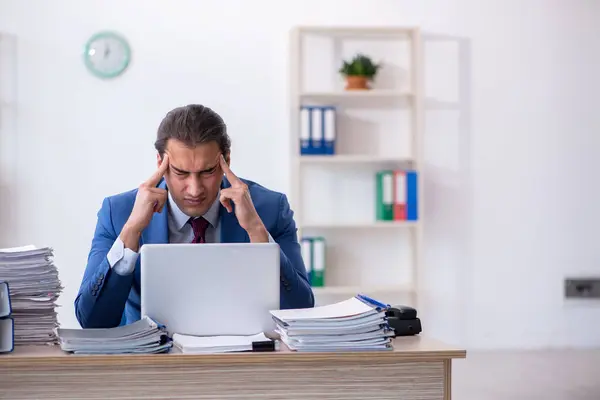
181	231
122	260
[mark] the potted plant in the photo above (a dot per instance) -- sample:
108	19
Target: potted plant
358	72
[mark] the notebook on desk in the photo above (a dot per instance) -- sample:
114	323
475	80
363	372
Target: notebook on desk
224	344
7	324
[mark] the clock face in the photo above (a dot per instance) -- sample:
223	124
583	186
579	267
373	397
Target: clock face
107	55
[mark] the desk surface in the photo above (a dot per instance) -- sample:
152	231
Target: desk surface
413	348
417	368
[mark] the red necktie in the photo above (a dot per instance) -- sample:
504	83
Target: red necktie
199	226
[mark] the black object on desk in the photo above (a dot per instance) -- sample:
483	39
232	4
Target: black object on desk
403	320
265	345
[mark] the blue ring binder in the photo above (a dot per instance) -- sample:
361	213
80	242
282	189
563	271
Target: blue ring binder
322	141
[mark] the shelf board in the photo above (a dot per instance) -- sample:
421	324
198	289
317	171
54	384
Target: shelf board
372	93
343	31
354	290
352	159
361	225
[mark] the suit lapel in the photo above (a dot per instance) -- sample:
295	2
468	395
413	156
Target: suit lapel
231	231
158	230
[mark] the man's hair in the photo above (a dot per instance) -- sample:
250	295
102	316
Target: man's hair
193	124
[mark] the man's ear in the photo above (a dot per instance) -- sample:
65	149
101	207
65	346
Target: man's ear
158	160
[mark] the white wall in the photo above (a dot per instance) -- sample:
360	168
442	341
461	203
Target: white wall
511	206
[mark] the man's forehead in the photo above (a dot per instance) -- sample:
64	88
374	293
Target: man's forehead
192	165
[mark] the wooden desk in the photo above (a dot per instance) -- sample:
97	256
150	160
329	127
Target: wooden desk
418	368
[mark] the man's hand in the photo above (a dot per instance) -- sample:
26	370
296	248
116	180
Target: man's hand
149	199
244	208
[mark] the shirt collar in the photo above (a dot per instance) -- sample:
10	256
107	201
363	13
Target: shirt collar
180	218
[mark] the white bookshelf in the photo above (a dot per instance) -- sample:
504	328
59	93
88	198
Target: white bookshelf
373	93
367	289
353	159
364	225
333	195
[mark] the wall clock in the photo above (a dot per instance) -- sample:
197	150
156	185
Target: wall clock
107	54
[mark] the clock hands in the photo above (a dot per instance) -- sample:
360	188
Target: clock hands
107	54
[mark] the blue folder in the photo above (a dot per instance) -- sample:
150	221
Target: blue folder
318	130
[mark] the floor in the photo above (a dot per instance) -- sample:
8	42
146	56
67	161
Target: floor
544	375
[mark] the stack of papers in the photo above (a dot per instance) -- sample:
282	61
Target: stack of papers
350	325
34	289
223	344
142	336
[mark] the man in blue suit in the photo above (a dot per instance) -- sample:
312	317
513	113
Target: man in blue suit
193	197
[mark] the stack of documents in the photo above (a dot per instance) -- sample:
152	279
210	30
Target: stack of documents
143	336
356	324
34	287
223	344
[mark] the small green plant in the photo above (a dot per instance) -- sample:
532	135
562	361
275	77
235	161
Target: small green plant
360	65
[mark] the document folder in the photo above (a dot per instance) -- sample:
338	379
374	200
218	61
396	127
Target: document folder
318	130
7	324
384	200
329	130
5	303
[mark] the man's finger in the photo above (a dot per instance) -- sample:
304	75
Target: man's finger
225	199
160	206
226	203
159	202
159	173
234	193
231	177
157	191
156	194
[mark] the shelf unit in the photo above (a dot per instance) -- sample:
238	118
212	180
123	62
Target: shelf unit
352	159
411	99
352	290
373	93
363	225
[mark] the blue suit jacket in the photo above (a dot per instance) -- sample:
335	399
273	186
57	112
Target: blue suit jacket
106	299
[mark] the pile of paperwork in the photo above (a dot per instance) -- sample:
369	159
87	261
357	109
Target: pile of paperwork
351	325
34	289
142	336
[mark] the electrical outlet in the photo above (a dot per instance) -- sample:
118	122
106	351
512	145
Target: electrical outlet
582	288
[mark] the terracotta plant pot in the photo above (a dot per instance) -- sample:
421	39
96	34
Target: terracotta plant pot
356	83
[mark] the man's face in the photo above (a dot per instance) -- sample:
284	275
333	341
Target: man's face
194	175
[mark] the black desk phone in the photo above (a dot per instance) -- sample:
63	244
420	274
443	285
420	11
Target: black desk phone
403	320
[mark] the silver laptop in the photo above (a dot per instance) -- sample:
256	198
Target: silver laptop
212	288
